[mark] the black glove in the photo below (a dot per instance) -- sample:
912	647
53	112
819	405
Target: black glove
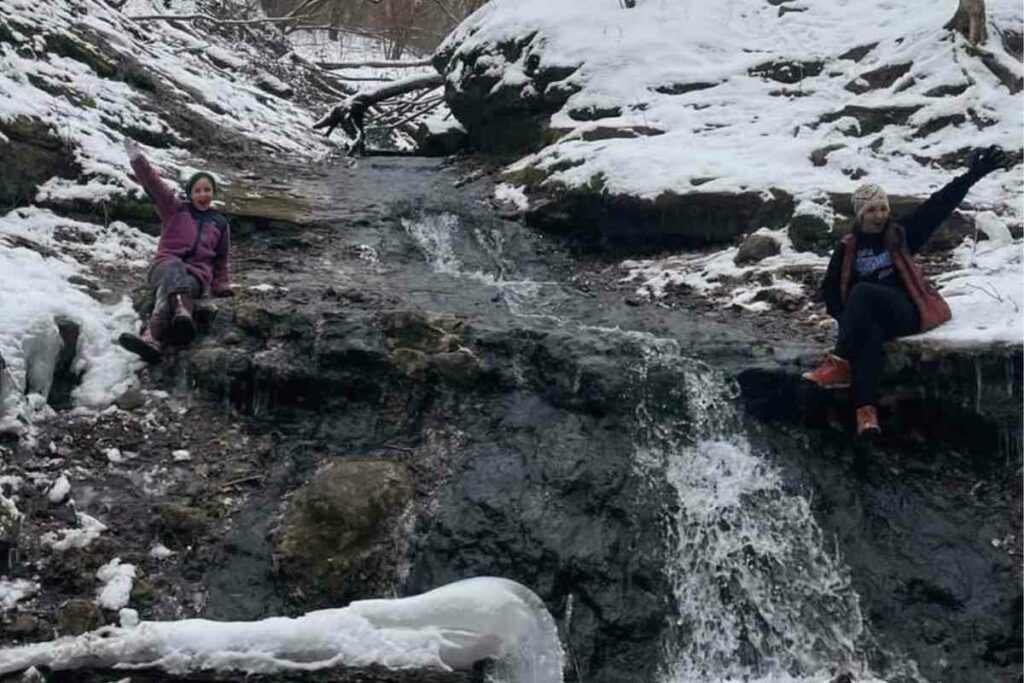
985	161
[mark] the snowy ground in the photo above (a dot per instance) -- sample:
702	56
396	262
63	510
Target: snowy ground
741	130
983	283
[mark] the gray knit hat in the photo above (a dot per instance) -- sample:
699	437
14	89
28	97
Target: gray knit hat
866	195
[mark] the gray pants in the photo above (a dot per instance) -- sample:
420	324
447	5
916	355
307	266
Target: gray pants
169	277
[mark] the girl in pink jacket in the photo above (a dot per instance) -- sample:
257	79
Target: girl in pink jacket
191	257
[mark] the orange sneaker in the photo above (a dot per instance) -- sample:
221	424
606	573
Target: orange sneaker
867	422
833	373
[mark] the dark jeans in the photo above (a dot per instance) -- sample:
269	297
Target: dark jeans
169	277
873	314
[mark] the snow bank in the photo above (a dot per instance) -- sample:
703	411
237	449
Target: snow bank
93	108
737	130
449	627
47	263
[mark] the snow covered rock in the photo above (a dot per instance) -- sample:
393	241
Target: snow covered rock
873	91
10	528
504	92
274	85
453	626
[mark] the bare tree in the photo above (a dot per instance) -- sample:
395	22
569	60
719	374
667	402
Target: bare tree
398	24
970	21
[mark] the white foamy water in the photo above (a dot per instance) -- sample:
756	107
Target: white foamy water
761	596
436	235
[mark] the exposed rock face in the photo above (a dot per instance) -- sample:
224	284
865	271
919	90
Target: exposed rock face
670	220
498	115
341	533
41	155
439	143
941	470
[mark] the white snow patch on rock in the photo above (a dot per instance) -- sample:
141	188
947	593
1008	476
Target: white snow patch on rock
116	588
13	591
60	490
89	529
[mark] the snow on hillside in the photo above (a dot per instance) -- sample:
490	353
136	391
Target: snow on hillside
747	95
745	131
56	82
92	100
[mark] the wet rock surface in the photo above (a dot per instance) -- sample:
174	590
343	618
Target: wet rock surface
493	378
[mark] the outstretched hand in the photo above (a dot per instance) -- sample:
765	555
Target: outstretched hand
132	148
987	160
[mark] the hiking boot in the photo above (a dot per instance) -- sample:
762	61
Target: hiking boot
867	423
833	373
143	345
183	328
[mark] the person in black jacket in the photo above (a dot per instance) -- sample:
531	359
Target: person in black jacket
875	290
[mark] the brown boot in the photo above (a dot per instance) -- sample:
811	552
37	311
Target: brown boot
867	423
833	373
183	327
143	345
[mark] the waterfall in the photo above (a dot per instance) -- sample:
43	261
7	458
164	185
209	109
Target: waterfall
759	595
445	240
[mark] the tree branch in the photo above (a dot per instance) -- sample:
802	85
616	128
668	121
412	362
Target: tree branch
383	64
447	11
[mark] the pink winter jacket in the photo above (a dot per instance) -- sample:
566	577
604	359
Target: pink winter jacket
201	239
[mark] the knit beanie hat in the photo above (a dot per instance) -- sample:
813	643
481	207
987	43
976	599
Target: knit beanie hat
195	177
866	195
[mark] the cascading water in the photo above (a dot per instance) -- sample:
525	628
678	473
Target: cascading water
437	236
758	594
759	597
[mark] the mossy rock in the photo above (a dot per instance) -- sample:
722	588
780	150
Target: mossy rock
137	76
529	176
80	50
339	536
427	332
78	616
138	211
181	524
811	233
41	155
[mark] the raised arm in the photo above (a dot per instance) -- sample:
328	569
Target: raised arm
926	218
163	196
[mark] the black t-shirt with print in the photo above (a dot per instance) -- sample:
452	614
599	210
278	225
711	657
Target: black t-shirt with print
874	262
